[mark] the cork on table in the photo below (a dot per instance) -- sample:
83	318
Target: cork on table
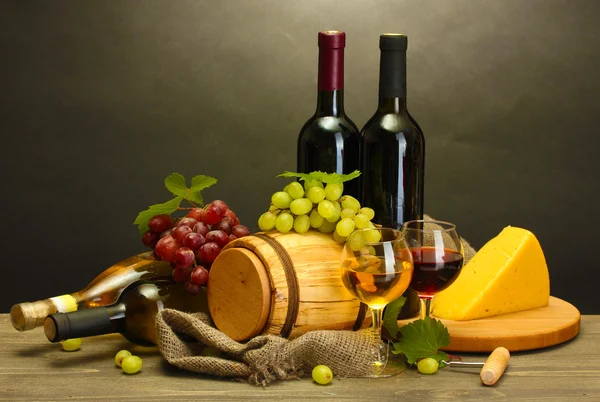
31	368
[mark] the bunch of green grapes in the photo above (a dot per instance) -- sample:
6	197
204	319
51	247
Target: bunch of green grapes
314	205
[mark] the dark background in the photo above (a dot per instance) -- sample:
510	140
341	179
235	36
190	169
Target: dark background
99	101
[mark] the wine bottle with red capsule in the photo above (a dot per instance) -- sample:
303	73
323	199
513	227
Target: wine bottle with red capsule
329	140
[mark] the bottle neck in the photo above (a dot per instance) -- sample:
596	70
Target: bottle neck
392	81
84	323
330	103
330	98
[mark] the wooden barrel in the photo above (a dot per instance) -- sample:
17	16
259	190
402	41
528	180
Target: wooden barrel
284	284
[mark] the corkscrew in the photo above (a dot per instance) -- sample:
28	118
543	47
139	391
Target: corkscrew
491	370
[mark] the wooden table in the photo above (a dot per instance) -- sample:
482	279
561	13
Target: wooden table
31	368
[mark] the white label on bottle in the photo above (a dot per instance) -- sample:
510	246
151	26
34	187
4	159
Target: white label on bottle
64	303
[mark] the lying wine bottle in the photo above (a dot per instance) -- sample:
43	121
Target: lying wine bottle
132	315
103	290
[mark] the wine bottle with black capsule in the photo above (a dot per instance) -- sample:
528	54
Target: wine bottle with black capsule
101	291
133	315
392	150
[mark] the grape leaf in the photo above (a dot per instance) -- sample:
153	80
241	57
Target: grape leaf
165	208
328	178
175	183
390	316
199	183
423	338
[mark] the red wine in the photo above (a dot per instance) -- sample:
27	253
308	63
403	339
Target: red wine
392	152
434	269
329	140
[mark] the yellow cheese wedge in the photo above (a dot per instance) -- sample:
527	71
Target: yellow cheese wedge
508	274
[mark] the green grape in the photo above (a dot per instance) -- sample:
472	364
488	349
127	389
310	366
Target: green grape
371	235
345	227
131	364
326	209
284	222
286	188
356	241
333	191
428	365
316	220
301	206
337	205
338	238
295	189
315	194
361	221
322	374
347	213
335	217
368	212
302	224
308	184
327	227
350	202
266	221
281	199
71	345
121	354
273	209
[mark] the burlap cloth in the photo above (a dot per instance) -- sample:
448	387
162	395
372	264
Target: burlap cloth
189	342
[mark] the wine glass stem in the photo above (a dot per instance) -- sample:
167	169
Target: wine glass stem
427	302
377	321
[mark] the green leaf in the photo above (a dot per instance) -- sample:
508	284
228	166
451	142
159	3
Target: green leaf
390	316
175	183
301	176
165	208
328	178
199	183
422	338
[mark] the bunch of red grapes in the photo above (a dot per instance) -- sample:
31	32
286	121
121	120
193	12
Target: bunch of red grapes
192	243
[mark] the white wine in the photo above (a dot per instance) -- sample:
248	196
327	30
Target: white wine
103	290
133	315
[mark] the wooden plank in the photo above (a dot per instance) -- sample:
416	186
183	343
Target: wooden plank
31	368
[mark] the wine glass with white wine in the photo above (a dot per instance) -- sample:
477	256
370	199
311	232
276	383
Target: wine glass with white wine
377	268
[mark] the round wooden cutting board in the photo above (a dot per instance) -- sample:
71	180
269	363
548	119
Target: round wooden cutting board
525	330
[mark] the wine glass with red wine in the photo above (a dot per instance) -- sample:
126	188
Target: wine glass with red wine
437	256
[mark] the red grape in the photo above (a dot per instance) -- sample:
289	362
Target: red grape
189	222
240	231
193	240
184	257
197	214
208	252
229	220
150	239
160	223
199	275
191	288
180	232
233	216
217	236
165	233
220	204
232	237
213	214
166	248
181	275
201	228
222	225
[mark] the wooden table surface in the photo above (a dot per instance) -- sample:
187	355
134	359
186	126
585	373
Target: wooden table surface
31	368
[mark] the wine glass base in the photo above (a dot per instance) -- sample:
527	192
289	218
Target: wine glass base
392	368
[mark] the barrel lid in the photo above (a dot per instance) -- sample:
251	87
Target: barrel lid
239	294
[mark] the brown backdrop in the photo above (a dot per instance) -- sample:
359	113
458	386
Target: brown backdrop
101	100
